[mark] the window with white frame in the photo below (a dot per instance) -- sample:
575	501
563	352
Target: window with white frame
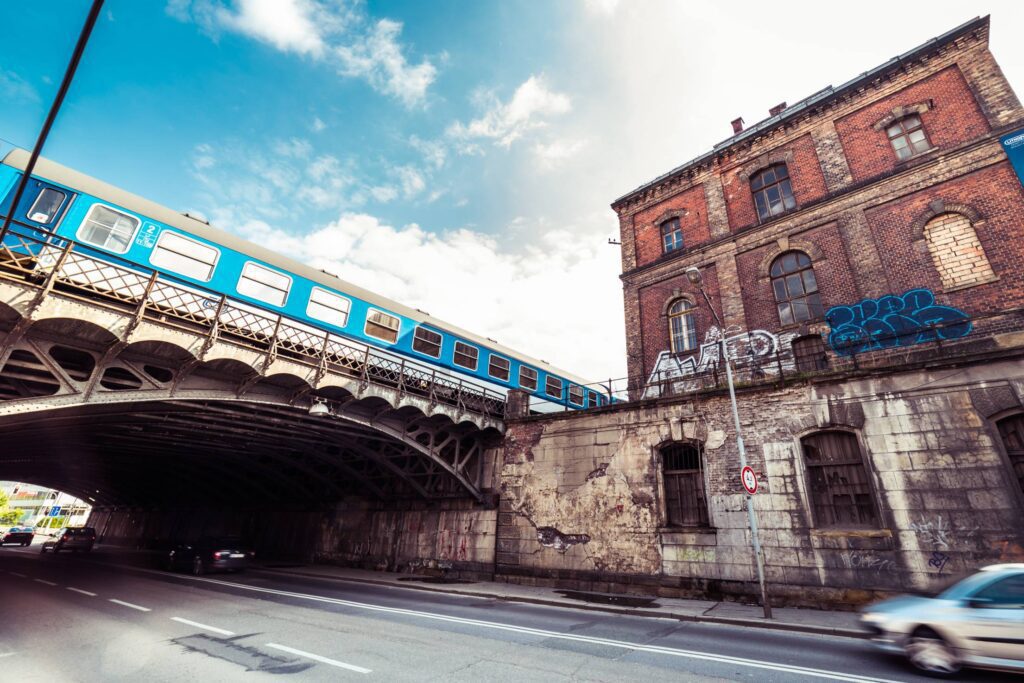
264	284
498	367
382	326
328	307
466	356
527	378
553	386
427	342
184	256
575	395
44	209
108	228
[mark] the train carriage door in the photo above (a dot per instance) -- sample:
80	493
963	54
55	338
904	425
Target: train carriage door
41	206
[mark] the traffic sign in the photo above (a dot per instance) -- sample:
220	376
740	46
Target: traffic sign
55	511
749	479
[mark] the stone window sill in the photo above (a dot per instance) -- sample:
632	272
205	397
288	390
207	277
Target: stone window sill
968	285
687	530
847	533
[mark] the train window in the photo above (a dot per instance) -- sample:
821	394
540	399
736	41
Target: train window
575	395
329	307
108	228
426	342
498	367
527	378
553	387
44	209
382	326
595	400
465	355
184	256
264	284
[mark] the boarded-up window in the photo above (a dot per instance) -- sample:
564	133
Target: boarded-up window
840	490
809	353
956	251
1012	431
683	474
382	326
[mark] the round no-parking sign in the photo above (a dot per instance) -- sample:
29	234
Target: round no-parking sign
749	479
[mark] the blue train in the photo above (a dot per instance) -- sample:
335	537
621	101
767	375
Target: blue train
108	220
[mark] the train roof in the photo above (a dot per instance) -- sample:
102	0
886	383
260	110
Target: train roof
62	175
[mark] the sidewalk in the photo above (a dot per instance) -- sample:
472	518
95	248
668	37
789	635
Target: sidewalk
708	611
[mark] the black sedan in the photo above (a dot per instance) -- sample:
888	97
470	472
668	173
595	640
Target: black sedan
17	535
210	555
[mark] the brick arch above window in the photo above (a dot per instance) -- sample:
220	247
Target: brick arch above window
940	206
675	296
783	245
764	161
669	215
902	111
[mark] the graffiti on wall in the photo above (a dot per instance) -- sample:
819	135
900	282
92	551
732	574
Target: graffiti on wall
746	349
894	321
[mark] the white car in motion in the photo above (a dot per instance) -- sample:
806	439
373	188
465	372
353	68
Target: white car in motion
978	621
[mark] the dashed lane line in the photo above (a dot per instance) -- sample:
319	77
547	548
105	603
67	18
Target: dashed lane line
556	635
44	581
318	658
205	627
20	576
128	604
7	654
83	592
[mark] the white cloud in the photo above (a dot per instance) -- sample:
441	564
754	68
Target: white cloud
434	152
531	104
14	86
296	148
383	193
334	31
603	7
377	57
411	179
317	125
527	296
552	154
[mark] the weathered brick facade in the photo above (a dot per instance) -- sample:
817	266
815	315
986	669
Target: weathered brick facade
922	411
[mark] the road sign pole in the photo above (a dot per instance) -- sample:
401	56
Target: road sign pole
751	517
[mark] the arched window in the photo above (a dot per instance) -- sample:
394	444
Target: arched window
796	288
682	331
841	494
956	251
683	475
671	235
907	137
1011	429
772	192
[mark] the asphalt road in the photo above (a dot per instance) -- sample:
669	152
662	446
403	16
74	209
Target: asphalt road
82	618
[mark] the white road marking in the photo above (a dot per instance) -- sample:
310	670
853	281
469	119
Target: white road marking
79	590
48	583
318	658
128	604
203	626
20	576
7	654
624	645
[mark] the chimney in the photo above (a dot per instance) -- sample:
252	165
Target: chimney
778	108
737	125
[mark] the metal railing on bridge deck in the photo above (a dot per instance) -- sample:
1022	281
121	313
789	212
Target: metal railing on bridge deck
49	262
699	372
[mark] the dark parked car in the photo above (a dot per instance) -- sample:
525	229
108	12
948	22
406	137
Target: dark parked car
74	539
210	555
20	535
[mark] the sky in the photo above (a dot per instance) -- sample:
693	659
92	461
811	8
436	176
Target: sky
458	156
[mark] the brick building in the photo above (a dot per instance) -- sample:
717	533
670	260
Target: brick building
861	253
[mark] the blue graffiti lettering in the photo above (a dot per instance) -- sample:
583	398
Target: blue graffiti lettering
893	321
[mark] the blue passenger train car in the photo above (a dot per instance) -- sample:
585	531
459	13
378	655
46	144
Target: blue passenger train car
110	223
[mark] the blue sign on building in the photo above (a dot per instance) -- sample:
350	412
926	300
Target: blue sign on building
1013	143
55	511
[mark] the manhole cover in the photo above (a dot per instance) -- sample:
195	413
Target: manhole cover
611	599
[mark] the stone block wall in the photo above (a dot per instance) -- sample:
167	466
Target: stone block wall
582	501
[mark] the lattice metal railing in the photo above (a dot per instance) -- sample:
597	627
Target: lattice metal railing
39	259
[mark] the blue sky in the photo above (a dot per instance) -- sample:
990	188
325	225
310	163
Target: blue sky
457	156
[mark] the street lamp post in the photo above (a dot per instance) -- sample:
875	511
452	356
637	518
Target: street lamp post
693	274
